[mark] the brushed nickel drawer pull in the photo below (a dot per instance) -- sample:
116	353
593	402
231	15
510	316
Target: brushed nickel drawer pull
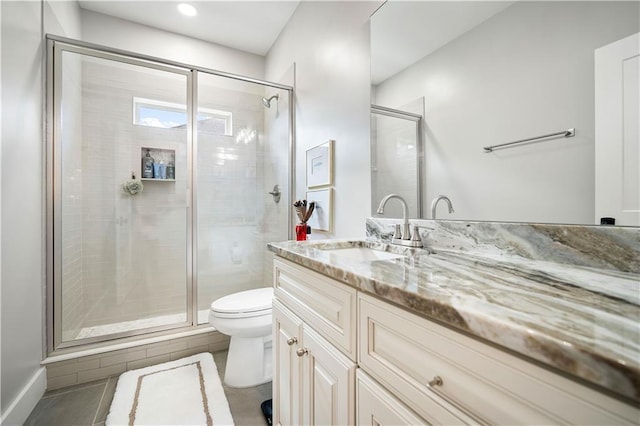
436	381
291	341
301	352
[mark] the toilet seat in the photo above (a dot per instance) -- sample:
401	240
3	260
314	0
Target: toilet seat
245	304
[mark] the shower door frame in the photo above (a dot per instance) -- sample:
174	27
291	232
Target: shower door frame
417	119
53	80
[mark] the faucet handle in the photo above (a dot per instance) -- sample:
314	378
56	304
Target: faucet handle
396	234
416	234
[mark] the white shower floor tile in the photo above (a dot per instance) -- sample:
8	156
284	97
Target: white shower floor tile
120	327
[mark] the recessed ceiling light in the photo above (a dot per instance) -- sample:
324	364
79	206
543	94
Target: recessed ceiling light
187	10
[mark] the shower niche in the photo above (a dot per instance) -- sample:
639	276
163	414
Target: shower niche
157	164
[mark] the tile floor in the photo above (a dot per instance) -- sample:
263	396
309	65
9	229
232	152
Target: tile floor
88	404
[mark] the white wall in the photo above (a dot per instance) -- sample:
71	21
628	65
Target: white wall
62	17
525	72
329	43
22	177
22	227
1	404
118	33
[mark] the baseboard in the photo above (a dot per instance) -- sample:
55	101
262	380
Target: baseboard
25	402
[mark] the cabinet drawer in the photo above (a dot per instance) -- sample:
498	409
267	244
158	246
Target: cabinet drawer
327	305
480	384
377	407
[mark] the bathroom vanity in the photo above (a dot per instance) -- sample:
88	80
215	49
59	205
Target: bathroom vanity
370	333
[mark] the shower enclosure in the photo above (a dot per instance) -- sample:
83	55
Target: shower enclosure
396	160
122	263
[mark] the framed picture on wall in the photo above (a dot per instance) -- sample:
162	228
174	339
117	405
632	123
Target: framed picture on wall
320	165
322	217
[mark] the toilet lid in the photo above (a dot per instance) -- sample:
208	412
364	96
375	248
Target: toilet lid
244	301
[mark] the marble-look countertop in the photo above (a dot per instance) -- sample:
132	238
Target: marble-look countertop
580	320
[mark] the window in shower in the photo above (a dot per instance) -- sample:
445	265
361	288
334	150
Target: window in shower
169	115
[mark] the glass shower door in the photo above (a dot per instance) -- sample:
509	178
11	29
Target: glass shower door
121	264
242	148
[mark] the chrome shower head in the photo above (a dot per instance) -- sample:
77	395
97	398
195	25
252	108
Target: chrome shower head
267	102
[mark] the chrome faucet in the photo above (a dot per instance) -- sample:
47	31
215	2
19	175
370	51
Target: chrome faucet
404	238
434	204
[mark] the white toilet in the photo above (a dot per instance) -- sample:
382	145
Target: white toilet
246	317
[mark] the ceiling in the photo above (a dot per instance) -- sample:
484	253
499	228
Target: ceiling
403	32
250	26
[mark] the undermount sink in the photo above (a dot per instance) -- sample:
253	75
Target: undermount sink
363	254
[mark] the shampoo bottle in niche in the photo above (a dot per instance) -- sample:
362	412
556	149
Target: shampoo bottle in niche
147	166
159	170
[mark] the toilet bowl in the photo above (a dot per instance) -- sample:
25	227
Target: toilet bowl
246	317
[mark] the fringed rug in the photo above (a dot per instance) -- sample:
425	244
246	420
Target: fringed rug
182	392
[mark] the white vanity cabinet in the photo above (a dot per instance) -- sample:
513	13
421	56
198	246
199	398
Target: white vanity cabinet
343	357
314	348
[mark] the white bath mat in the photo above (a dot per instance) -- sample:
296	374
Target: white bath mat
182	392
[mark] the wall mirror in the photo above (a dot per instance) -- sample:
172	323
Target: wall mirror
486	73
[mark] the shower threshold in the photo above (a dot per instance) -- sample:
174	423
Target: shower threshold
119	327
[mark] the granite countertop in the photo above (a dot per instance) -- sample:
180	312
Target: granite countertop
581	320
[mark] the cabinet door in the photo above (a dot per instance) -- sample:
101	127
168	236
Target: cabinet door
325	304
287	336
377	407
328	382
